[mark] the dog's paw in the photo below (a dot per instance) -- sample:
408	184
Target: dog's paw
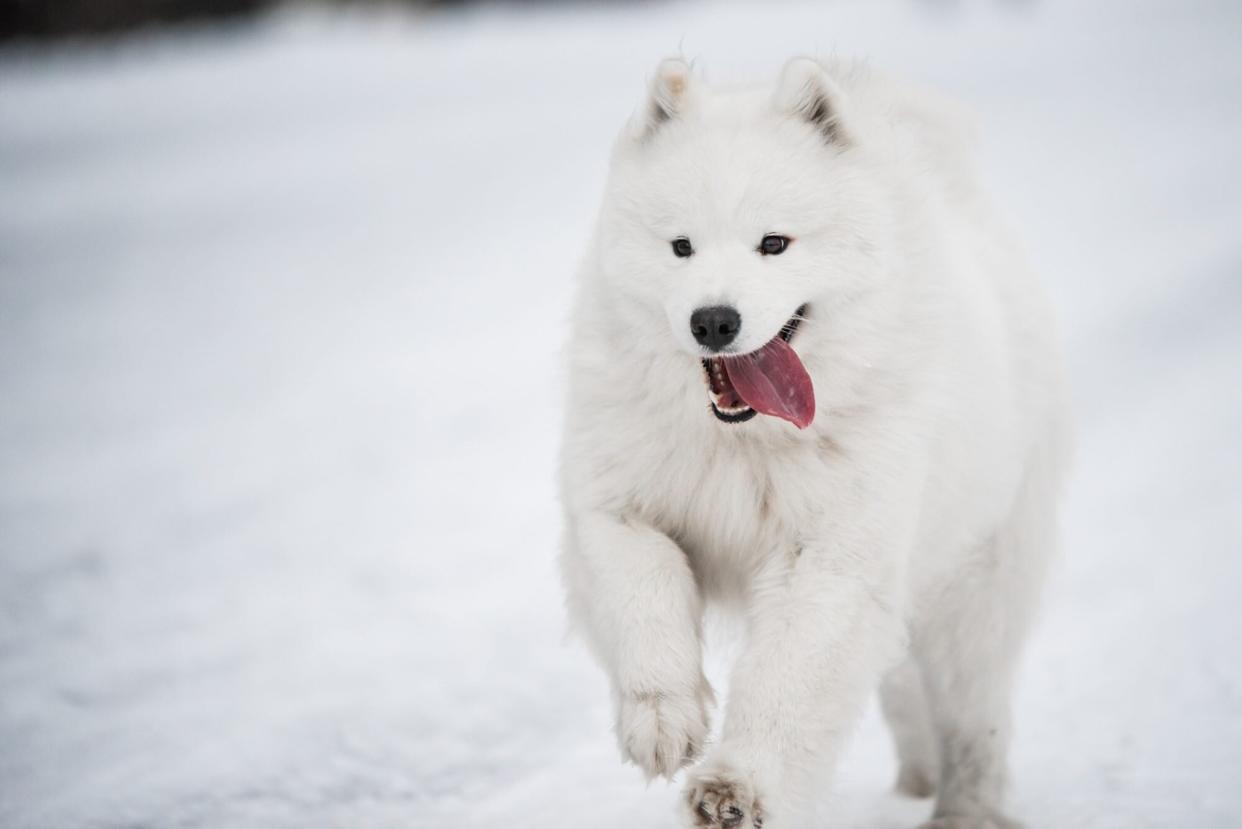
662	732
719	798
915	781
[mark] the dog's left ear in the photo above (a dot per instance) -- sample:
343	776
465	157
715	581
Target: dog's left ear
807	91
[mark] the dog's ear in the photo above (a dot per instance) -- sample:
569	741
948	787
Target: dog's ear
806	90
667	95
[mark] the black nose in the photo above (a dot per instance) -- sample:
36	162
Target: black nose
715	327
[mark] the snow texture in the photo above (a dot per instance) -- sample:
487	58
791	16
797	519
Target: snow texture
281	310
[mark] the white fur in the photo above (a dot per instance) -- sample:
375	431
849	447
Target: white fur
898	543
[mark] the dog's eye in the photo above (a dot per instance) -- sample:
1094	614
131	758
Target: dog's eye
773	245
682	247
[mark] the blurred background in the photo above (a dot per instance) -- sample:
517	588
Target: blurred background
283	289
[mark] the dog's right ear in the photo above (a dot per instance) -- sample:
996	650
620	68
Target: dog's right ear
667	95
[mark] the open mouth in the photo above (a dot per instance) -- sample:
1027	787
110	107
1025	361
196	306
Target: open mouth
771	380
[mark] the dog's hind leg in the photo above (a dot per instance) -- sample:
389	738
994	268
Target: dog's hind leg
968	652
905	707
969	671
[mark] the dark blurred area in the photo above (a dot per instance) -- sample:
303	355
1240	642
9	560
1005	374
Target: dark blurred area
44	19
62	18
51	19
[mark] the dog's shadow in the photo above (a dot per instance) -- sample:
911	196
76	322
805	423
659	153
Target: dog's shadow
862	807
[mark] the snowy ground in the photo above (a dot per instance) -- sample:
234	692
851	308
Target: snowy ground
280	311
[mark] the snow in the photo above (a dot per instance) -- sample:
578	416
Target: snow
281	309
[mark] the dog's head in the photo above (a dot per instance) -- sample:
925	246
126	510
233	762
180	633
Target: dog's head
735	221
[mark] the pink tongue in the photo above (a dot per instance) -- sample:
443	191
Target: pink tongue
774	382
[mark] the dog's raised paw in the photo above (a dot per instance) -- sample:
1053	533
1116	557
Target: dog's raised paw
722	802
661	733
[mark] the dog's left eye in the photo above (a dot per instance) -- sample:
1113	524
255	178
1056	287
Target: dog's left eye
773	245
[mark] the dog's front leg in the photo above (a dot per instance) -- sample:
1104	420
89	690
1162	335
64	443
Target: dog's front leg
631	590
823	627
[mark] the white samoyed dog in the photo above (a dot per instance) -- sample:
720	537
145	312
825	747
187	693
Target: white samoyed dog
811	380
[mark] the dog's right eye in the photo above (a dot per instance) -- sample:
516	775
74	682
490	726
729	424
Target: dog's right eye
682	247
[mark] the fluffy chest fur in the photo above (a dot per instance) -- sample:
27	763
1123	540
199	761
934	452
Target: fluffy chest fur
732	499
732	507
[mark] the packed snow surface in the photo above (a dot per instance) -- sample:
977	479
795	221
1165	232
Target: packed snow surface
281	311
